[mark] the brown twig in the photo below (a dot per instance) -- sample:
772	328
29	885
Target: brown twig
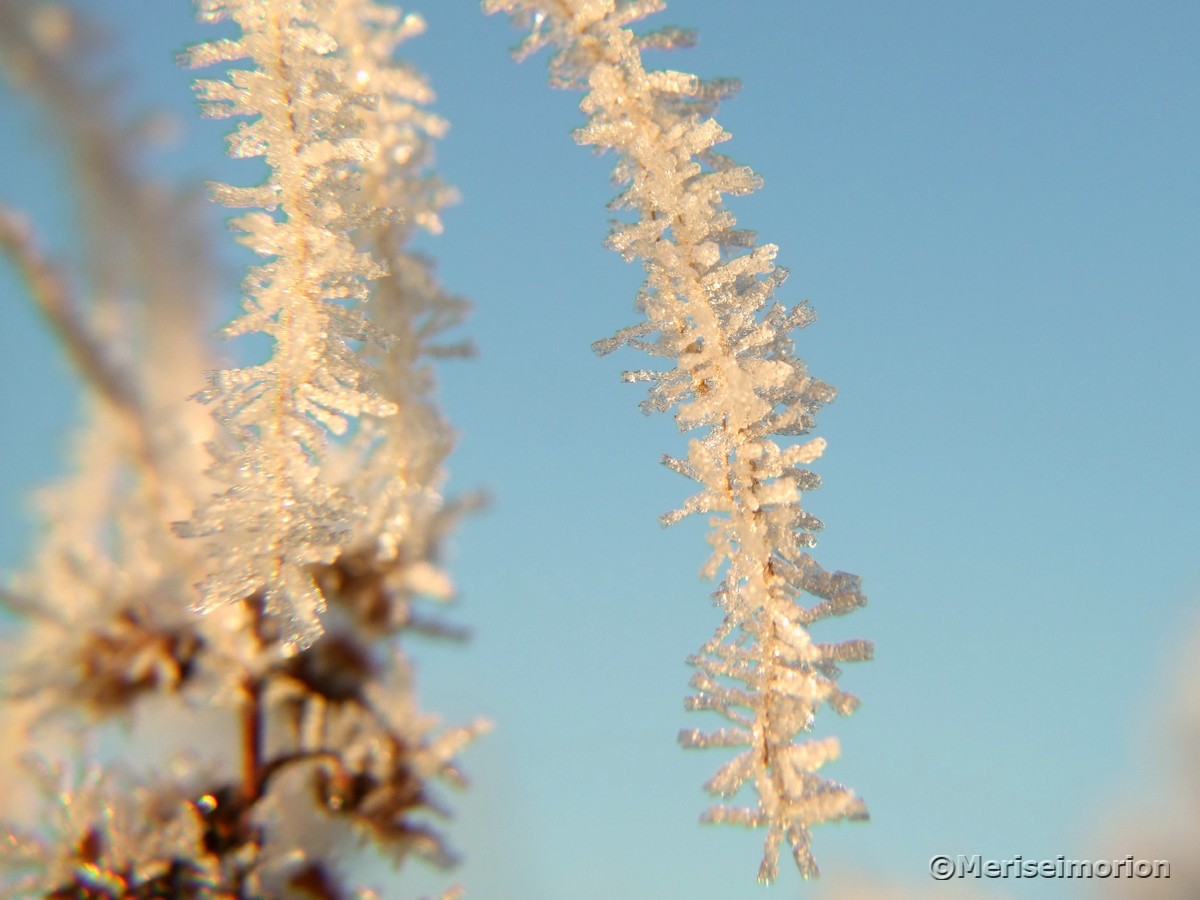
252	715
251	741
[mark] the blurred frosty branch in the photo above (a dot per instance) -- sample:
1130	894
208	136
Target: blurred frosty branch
324	740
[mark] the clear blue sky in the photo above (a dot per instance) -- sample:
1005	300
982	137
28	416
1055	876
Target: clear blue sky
990	207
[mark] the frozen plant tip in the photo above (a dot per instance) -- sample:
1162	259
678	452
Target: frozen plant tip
708	305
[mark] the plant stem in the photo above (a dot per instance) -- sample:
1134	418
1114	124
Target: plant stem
252	713
251	741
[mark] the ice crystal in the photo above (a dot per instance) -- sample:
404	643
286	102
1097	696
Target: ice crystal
709	309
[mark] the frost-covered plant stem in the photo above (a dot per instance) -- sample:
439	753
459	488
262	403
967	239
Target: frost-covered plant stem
322	736
280	517
707	302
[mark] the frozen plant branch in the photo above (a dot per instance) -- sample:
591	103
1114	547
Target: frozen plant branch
278	517
709	308
53	298
394	467
326	741
96	637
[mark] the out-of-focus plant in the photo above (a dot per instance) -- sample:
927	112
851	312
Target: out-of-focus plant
320	496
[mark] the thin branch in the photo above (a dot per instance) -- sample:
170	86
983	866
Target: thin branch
53	298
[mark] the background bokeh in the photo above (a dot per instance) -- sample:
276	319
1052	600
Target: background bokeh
990	207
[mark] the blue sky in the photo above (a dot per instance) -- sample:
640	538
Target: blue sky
992	208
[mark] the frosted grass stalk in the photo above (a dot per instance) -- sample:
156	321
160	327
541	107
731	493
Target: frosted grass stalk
278	517
709	308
